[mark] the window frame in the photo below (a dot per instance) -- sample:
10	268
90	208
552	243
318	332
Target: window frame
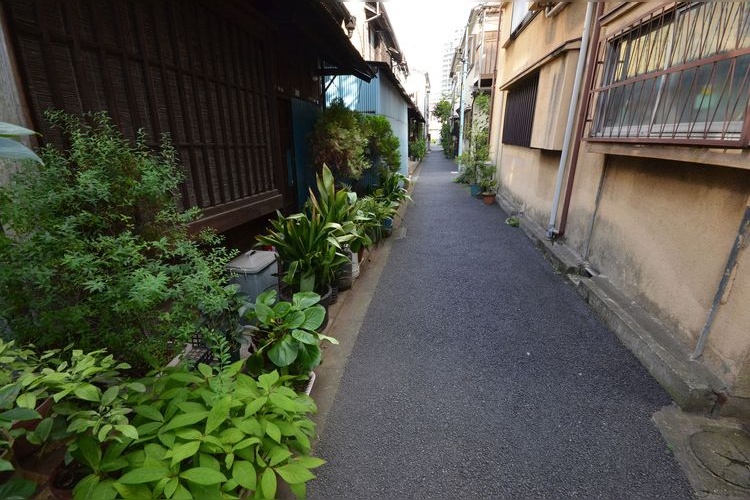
515	114
690	131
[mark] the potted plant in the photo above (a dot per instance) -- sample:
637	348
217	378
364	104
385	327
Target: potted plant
489	191
339	206
67	395
375	212
286	334
10	431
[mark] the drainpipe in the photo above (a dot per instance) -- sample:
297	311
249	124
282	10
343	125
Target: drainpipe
581	124
728	270
461	97
552	232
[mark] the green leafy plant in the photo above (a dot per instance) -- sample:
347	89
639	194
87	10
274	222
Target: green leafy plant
308	248
96	252
339	141
286	333
10	430
442	110
374	213
393	188
208	435
10	148
83	393
513	221
488	186
383	146
338	206
417	149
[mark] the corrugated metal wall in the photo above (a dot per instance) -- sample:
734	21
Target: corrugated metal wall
356	94
378	97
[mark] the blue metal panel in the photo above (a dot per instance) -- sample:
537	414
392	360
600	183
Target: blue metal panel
356	94
304	116
379	97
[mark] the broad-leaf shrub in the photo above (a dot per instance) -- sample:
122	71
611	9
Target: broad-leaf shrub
95	251
208	435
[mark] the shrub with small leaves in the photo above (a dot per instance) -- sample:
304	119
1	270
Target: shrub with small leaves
96	251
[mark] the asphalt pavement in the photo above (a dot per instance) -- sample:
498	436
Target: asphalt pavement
479	373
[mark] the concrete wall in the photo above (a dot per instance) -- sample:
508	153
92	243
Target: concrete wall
662	235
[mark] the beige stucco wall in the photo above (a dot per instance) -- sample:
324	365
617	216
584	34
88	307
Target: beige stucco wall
528	178
538	38
728	346
586	182
528	174
663	234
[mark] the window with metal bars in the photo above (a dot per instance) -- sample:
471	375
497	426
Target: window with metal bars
519	111
679	75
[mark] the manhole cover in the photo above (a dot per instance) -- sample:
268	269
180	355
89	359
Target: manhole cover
725	453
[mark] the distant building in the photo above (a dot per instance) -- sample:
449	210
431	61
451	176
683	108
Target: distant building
474	62
373	36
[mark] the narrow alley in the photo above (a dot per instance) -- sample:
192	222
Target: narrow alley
480	373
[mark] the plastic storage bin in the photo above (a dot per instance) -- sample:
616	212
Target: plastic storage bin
254	272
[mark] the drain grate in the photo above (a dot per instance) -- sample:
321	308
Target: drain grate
725	453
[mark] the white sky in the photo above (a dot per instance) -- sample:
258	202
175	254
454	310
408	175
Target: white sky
423	26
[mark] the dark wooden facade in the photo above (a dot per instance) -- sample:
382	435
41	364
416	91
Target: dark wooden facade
209	74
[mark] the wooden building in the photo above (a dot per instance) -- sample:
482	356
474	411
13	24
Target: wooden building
236	85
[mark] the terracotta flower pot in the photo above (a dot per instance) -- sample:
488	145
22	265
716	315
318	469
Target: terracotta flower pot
488	198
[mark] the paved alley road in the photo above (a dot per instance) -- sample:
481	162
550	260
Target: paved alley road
480	373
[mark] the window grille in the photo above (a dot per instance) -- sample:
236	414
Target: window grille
519	111
679	75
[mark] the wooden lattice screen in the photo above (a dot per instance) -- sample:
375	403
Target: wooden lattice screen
184	68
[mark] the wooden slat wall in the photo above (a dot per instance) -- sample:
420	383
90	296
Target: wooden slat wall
183	68
489	60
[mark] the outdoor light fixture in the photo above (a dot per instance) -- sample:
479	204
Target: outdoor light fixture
350	25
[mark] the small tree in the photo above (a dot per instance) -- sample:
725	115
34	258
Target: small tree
442	110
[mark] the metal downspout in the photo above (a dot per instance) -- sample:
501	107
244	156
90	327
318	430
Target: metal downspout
580	67
581	125
742	234
461	96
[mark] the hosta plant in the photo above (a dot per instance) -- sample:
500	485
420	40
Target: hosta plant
208	434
